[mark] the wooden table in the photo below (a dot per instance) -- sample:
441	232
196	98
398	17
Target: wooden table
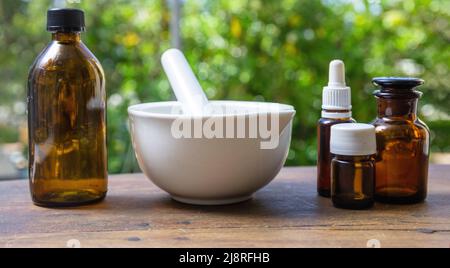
286	213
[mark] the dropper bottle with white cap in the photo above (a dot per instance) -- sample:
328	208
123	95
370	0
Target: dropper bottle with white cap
336	108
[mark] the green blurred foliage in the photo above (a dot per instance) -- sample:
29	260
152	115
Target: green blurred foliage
273	50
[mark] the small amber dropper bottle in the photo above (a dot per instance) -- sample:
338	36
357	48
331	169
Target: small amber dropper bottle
353	165
336	108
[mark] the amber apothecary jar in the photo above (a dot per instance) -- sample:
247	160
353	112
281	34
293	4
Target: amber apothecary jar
403	142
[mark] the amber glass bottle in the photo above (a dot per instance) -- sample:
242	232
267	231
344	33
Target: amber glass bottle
66	118
402	142
353	181
336	109
353	166
324	156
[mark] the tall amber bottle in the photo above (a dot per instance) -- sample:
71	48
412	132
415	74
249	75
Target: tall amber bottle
66	118
336	108
403	142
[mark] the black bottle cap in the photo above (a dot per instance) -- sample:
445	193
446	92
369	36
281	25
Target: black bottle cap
397	82
397	87
65	20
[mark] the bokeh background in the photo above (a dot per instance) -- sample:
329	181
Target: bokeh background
273	50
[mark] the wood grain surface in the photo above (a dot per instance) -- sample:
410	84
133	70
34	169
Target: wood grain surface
286	213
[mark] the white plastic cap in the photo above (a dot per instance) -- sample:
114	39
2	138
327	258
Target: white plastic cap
353	139
336	96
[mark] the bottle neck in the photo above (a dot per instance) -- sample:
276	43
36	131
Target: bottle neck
336	114
397	108
66	37
354	158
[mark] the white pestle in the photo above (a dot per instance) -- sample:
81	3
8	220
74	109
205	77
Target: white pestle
184	84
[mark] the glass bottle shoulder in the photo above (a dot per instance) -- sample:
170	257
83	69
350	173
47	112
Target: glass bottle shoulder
395	128
332	121
367	161
71	57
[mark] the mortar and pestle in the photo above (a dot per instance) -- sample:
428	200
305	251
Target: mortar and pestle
208	152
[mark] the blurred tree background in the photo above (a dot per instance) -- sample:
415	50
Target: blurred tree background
273	50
